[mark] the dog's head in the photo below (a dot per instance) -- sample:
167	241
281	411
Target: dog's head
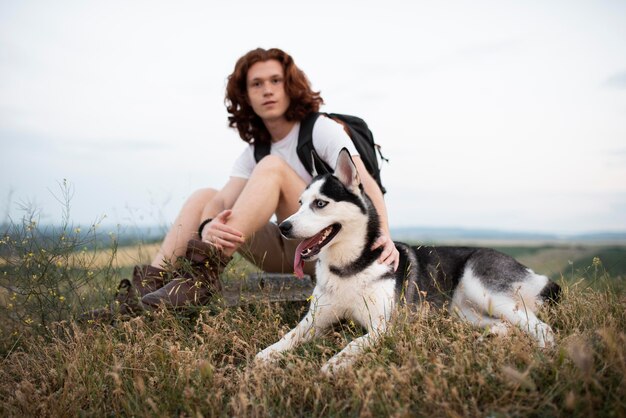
331	204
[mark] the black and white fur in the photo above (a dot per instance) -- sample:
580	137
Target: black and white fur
485	287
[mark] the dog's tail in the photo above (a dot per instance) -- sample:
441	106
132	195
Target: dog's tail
551	292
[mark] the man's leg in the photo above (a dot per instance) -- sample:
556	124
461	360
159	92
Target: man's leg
149	278
185	227
273	188
271	252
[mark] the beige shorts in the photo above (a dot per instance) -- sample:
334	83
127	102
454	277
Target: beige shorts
271	252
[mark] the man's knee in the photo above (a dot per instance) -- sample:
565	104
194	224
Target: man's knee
273	164
202	195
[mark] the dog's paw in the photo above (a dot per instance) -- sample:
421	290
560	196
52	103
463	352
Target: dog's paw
267	356
337	364
500	329
333	369
545	336
327	370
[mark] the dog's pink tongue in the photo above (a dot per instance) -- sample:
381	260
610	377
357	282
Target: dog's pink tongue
298	266
298	262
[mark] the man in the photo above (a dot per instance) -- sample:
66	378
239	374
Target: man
267	96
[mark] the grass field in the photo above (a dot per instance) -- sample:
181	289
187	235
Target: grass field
430	364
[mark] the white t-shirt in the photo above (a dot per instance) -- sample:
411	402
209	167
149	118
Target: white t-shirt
328	139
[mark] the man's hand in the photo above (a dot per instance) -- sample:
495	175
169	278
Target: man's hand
220	235
390	254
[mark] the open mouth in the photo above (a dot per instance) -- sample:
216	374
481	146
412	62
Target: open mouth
310	247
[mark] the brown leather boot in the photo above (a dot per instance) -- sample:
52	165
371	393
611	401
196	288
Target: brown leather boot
126	302
147	279
198	278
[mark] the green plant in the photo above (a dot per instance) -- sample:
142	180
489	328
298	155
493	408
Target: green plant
48	274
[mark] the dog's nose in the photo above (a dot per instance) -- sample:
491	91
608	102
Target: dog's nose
285	228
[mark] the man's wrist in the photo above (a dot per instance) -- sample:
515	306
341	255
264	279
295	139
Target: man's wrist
202	225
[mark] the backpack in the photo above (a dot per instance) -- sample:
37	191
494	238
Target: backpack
358	131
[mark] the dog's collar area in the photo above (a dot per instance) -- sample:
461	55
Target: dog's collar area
365	260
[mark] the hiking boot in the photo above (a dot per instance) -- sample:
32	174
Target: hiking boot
198	278
147	279
127	302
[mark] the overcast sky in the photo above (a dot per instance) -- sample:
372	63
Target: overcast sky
493	114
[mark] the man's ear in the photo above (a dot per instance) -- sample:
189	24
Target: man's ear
346	171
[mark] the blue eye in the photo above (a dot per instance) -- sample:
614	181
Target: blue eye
319	203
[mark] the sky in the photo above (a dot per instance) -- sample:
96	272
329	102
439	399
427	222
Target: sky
494	114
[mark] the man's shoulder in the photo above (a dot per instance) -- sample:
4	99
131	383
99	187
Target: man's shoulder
325	127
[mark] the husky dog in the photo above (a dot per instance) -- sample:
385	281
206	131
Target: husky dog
339	225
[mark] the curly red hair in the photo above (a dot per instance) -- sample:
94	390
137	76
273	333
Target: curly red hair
303	100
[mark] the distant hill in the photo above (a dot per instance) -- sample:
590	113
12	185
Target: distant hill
428	234
131	234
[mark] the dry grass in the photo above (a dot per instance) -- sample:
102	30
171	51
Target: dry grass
126	256
200	363
428	365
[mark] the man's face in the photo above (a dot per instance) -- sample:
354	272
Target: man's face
266	90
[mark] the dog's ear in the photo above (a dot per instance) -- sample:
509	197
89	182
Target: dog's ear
314	172
346	171
317	165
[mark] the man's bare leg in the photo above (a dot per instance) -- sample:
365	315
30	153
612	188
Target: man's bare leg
273	187
185	227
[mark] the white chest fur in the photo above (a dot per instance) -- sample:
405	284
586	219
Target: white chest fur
364	297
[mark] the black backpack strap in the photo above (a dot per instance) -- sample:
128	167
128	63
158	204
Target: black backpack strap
304	149
306	152
261	150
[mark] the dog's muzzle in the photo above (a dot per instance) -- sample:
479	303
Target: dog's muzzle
285	229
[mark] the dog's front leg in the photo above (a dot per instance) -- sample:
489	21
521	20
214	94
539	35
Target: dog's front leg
312	325
349	354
